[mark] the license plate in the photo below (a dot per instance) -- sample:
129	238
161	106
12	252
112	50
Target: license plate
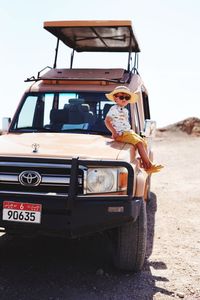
22	212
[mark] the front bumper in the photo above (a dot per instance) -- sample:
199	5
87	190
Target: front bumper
72	214
87	216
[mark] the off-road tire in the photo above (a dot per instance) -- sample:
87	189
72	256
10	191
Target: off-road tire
129	244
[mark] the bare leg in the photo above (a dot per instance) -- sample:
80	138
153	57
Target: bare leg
143	154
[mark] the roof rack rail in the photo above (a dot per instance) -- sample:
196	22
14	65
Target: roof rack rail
33	78
120	76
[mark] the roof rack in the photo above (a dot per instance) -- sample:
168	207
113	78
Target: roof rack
105	75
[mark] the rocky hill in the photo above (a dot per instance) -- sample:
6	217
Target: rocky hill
190	126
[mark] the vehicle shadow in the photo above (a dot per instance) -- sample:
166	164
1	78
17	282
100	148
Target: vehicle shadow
58	269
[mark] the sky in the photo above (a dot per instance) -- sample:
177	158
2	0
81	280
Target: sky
168	33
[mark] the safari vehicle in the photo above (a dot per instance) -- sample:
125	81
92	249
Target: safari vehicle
60	171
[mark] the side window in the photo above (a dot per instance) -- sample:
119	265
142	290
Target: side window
104	108
136	118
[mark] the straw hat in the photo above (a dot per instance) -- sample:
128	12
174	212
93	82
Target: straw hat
125	90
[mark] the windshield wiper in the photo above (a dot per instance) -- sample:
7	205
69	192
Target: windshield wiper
34	129
25	128
98	132
86	131
75	130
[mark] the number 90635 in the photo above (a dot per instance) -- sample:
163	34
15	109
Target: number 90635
21	214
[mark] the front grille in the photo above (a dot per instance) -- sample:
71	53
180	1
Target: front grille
55	177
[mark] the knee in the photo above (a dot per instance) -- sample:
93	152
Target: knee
140	144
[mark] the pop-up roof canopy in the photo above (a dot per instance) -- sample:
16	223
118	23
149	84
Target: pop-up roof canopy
95	36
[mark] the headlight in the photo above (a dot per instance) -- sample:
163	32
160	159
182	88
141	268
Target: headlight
105	180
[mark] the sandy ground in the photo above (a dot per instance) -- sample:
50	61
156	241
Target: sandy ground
175	260
56	269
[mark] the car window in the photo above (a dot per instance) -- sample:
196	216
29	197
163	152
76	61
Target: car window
26	116
82	112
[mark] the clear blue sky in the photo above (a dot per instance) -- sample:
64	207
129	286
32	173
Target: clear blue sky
168	32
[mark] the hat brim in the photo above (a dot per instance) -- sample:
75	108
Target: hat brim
133	99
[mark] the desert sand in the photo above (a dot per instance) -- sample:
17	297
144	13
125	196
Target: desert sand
175	207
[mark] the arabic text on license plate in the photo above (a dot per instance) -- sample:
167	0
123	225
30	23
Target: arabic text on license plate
21	212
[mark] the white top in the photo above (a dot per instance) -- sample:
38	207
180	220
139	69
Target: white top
120	118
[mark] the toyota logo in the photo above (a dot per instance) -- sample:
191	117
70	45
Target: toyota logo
30	178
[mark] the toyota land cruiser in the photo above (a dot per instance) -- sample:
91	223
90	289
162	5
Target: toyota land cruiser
60	171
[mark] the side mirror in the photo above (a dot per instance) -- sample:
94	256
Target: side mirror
149	128
5	125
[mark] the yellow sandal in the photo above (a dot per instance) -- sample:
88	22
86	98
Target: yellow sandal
154	169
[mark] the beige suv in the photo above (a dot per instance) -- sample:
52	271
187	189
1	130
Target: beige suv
61	172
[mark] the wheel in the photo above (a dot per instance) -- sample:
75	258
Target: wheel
130	243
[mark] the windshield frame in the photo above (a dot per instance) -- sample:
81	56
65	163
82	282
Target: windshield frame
93	103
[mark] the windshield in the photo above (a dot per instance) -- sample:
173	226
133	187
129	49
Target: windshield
62	112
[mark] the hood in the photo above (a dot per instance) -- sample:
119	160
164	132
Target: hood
61	145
